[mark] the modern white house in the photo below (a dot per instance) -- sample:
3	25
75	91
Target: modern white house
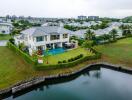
41	38
5	28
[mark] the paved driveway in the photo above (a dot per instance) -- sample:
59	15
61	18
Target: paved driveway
3	43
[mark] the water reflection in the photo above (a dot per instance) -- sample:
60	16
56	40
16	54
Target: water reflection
92	84
96	74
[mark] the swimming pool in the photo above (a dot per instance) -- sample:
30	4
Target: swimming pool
55	51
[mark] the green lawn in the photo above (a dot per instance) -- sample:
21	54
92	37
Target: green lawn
67	55
119	52
14	69
5	37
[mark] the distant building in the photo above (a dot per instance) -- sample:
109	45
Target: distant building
14	17
82	17
93	18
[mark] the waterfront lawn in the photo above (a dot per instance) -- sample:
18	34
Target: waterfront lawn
4	37
118	53
53	59
14	69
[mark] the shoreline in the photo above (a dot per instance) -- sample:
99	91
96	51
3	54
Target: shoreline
26	84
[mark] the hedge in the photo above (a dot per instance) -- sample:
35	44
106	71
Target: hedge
68	64
55	66
21	53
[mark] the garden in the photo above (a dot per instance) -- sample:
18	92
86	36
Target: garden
67	55
67	59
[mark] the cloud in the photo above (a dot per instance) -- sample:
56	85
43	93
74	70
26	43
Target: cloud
66	8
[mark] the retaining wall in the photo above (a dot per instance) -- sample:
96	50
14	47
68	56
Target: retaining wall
37	80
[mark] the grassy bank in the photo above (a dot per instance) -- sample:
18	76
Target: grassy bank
14	69
117	53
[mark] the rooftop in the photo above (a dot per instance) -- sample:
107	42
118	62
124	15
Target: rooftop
39	31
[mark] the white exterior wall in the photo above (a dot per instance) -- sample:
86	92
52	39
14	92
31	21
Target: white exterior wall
5	28
43	43
33	44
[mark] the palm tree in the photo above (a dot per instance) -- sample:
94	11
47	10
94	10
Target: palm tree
105	37
89	35
113	34
46	55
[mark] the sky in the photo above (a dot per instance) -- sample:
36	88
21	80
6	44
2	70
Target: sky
66	8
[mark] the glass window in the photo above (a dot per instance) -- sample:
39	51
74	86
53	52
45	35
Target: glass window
40	38
54	37
65	35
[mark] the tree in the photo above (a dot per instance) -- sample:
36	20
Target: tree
46	55
89	35
87	44
105	37
21	46
12	40
113	34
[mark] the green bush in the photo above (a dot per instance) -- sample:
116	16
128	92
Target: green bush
64	61
59	62
69	60
12	40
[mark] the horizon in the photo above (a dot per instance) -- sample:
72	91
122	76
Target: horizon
65	8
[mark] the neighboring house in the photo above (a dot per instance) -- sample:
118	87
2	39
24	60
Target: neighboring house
5	28
53	24
41	38
112	25
85	24
79	33
99	32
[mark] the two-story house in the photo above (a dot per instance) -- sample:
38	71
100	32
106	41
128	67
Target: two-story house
41	38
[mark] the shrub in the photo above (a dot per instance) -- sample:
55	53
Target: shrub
72	59
81	55
64	61
69	60
59	62
12	41
77	57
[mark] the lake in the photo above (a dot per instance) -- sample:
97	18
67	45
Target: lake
94	84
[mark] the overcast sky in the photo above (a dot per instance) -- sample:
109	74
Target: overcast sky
66	8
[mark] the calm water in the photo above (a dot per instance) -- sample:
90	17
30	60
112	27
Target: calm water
102	84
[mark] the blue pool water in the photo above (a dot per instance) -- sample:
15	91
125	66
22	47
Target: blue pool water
55	51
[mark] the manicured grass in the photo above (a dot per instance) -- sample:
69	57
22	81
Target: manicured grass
119	52
67	55
5	37
14	69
